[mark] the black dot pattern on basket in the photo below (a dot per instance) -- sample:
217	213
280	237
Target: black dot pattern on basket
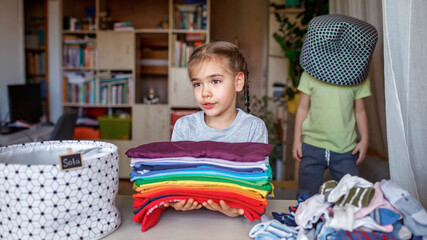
338	49
59	206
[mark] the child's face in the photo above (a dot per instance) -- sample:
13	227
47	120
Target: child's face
215	88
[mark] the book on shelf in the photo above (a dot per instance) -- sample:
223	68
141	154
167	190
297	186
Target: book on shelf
36	62
190	16
116	89
80	87
79	52
184	47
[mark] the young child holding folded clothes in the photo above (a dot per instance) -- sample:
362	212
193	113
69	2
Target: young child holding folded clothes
218	71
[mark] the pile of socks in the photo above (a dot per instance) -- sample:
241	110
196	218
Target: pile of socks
352	208
237	173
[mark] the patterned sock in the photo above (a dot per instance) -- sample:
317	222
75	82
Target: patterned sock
346	183
377	201
400	231
327	186
359	197
363	235
414	215
385	216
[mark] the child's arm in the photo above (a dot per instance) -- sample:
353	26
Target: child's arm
224	208
362	126
303	107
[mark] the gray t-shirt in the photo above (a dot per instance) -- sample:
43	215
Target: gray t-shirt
245	128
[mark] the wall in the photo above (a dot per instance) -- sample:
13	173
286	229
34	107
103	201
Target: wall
12	66
245	21
54	59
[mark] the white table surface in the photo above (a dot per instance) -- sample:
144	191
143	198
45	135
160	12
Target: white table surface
33	134
195	224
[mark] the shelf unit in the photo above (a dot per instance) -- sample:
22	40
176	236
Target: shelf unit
36	51
143	46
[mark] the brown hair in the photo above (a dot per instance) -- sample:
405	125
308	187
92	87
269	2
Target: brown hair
234	61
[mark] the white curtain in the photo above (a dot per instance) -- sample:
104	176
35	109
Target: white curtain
370	11
405	69
398	71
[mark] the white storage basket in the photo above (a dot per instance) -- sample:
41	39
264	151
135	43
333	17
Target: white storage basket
39	201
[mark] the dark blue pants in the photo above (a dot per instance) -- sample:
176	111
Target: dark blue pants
316	160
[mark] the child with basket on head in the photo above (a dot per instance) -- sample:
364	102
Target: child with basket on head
218	71
335	57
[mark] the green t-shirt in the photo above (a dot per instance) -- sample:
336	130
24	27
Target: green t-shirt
330	122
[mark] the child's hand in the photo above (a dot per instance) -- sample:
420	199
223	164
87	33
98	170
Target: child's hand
297	151
184	205
362	148
224	208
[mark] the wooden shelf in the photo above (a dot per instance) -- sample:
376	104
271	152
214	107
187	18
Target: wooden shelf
76	69
189	31
287	10
77	32
35	49
36	75
148	30
85	105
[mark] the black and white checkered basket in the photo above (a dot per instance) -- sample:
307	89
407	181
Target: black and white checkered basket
338	49
39	201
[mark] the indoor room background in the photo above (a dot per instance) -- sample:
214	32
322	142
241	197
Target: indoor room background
395	110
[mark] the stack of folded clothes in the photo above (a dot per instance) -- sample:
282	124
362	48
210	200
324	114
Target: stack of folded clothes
238	173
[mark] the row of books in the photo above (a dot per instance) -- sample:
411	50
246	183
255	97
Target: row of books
116	89
185	47
191	16
83	93
36	62
80	87
79	52
79	57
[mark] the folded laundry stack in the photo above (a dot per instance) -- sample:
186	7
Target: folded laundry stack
238	173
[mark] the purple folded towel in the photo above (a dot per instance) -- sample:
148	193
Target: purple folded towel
241	152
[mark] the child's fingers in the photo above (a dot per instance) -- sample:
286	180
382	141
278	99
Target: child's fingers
356	149
179	205
224	205
230	211
193	205
188	204
297	155
196	205
211	205
361	158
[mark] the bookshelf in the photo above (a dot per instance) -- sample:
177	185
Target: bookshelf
36	48
118	58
